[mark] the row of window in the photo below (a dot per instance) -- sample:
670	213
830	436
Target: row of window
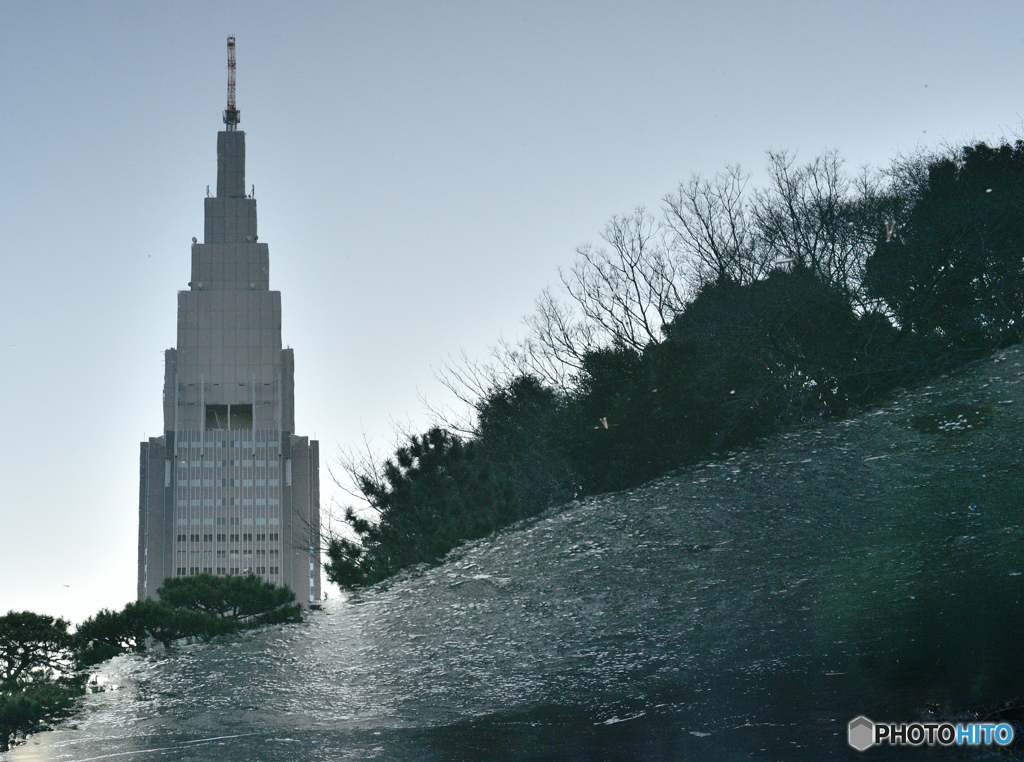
224	483
185	571
248	537
209	502
224	553
235	463
233	520
244	444
182	554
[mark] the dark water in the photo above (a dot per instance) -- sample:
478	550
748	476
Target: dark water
746	609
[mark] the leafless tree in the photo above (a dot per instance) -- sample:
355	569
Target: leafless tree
470	379
712	230
556	341
629	292
813	216
810	216
552	350
624	293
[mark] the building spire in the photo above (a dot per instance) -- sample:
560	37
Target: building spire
232	116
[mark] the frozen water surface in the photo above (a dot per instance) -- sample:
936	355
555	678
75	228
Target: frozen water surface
742	609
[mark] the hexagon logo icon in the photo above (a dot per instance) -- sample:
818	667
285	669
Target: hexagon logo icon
861	733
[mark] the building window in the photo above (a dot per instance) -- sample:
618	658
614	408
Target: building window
193	570
222	554
275	552
261	538
234	520
222	538
241	416
207	570
193	538
207	538
221	570
275	570
246	538
181	571
234	538
182	538
216	417
273	537
260	570
234	570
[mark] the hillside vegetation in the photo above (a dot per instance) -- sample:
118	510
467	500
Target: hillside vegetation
733	314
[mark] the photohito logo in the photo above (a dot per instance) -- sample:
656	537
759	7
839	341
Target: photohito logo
863	733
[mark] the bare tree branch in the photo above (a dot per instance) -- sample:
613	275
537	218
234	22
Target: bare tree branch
809	215
630	292
712	230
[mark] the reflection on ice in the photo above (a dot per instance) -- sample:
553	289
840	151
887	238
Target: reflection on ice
751	606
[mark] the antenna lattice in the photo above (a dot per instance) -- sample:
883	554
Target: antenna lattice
232	116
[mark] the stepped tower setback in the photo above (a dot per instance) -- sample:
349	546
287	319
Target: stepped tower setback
230	488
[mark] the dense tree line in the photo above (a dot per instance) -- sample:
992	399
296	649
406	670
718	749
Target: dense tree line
43	663
728	316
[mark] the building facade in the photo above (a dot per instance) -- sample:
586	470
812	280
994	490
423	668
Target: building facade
230	488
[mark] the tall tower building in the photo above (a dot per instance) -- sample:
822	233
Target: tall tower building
230	488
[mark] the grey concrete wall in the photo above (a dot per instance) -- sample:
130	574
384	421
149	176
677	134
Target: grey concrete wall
170	374
231	164
229	220
302	497
227	336
287	390
233	265
144	517
153	516
314	512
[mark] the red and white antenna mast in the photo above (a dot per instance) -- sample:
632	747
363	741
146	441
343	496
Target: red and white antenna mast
232	116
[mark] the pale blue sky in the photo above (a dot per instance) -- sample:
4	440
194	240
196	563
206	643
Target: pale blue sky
422	169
